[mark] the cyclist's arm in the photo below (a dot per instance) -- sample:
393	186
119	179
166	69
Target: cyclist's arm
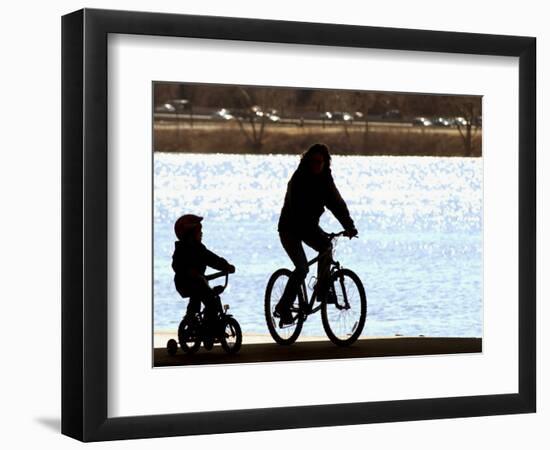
216	262
336	204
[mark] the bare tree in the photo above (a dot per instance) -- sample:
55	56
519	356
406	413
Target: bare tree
350	102
258	109
164	92
466	111
337	103
362	102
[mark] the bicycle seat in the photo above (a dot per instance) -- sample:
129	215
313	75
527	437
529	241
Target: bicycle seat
218	289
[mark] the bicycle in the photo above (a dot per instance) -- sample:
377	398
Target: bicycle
343	319
193	331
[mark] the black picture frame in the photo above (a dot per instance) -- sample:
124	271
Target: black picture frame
84	224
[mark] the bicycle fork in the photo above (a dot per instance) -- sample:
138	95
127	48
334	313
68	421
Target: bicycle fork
344	293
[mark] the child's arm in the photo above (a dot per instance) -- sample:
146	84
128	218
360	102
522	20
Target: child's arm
217	262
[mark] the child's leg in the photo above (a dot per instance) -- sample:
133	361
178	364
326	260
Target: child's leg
186	288
212	306
194	306
201	291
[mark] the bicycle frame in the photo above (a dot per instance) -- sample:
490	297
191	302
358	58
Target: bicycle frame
215	275
305	304
218	292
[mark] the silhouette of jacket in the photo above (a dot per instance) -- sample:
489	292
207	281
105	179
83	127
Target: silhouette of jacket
191	258
306	197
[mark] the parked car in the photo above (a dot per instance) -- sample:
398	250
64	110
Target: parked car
181	104
222	114
461	121
273	117
421	122
338	116
256	111
441	122
166	108
392	114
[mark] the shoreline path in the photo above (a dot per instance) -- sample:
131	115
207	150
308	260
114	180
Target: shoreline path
260	348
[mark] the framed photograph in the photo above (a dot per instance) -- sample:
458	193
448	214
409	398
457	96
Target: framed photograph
273	225
234	159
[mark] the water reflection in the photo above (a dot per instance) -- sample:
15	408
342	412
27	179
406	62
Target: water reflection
419	219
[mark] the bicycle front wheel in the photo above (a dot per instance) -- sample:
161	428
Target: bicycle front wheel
273	293
232	337
344	320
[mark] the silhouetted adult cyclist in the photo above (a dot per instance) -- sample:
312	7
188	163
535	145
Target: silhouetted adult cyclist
310	189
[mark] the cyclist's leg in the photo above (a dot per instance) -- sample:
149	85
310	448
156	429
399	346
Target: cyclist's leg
208	298
212	304
198	291
318	240
293	247
194	306
202	292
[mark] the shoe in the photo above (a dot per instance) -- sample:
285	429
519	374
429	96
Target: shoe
284	314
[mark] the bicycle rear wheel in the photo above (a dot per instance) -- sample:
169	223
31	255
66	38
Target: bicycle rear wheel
190	342
274	290
344	320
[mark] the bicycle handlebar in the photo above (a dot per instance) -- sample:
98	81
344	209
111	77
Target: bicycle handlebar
331	236
334	235
215	275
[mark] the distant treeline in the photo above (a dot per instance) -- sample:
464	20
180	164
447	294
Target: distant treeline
258	112
408	143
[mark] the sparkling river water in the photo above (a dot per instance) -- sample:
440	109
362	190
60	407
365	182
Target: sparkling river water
419	252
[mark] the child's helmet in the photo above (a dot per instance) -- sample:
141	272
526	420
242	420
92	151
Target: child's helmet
185	224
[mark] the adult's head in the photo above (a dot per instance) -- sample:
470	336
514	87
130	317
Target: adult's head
316	159
188	226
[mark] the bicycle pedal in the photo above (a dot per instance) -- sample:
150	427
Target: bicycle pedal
285	324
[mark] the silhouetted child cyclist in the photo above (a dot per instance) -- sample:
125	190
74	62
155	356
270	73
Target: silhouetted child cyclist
189	262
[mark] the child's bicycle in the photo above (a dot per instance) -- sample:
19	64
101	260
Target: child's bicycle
343	316
223	329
